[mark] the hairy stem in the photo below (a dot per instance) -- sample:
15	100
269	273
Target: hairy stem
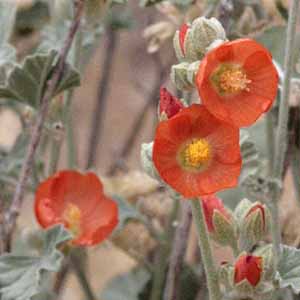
206	252
163	256
46	97
81	275
172	288
282	132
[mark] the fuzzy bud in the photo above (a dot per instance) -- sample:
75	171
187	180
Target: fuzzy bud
219	220
169	105
179	76
205	32
147	162
254	225
179	40
193	41
248	268
266	252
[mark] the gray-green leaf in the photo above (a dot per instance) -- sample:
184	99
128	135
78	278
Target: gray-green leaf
126	212
250	156
289	269
26	83
20	275
126	286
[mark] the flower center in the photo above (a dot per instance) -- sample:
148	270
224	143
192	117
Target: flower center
72	216
230	79
196	153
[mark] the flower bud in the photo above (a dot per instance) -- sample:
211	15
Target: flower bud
205	32
248	268
179	76
266	252
220	222
192	42
147	162
178	41
254	225
169	105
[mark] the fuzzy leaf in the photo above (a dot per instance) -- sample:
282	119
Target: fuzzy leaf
126	212
289	269
250	156
126	286
24	82
20	275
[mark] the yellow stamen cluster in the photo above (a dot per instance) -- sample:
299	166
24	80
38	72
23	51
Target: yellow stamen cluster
72	216
233	80
196	153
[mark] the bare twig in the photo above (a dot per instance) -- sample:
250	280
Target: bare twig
14	210
139	121
103	90
172	289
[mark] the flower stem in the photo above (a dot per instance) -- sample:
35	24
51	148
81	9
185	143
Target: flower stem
163	255
209	266
282	137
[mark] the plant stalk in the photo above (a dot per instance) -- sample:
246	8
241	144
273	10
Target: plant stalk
206	252
282	131
163	255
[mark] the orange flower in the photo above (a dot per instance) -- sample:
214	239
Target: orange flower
197	154
76	201
248	267
237	81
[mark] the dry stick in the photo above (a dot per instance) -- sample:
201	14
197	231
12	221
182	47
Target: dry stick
103	90
172	289
14	210
138	123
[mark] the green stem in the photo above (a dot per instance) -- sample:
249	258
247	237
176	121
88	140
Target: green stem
81	275
270	141
163	255
282	136
209	266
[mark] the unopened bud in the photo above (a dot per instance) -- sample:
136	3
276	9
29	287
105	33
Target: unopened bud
248	268
193	41
266	252
254	225
147	162
179	76
169	105
204	33
219	220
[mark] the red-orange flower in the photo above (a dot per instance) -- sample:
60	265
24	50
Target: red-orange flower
237	81
77	201
197	154
210	205
248	267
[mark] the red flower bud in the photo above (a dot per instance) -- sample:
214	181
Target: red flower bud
182	32
211	204
169	104
260	208
248	267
